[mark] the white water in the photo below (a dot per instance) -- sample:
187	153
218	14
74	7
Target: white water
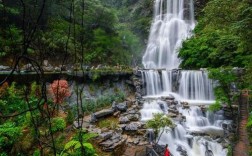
196	85
169	28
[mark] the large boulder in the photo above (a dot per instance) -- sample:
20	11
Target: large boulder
104	113
104	136
133	126
123	120
122	107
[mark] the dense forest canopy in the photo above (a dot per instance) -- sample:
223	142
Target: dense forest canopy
83	33
93	32
222	36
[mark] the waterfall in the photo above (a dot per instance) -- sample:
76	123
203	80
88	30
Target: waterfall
169	28
173	22
196	85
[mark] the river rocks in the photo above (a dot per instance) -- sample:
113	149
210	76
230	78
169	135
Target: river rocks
182	151
172	115
123	120
116	114
185	105
133	126
104	113
104	136
113	142
133	117
122	106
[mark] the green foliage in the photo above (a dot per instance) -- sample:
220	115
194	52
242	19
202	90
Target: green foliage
9	133
74	146
215	107
58	124
222	91
111	123
36	153
70	116
159	122
230	151
219	38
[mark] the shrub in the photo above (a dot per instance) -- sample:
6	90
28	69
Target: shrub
60	90
58	124
3	89
8	135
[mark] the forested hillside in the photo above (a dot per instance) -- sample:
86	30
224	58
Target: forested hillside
222	36
95	32
72	80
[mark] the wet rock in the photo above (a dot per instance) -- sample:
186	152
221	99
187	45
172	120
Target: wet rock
138	95
114	106
122	126
123	120
133	117
116	114
93	118
182	151
104	113
133	126
185	105
114	142
137	73
104	136
172	115
122	107
174	111
132	110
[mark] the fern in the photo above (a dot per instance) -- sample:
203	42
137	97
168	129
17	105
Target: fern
70	144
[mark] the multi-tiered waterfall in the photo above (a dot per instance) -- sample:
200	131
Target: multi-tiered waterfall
173	22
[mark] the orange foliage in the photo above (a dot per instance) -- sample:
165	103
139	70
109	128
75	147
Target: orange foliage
60	91
3	89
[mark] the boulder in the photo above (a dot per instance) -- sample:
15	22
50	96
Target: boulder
123	120
133	126
122	106
104	136
133	117
104	113
116	114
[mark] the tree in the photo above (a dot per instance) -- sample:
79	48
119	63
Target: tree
158	124
225	77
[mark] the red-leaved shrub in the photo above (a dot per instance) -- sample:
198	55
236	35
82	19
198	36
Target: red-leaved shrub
60	90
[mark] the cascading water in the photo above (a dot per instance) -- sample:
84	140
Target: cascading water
195	85
173	22
168	30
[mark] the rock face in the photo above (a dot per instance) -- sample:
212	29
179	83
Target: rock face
103	113
112	141
133	126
